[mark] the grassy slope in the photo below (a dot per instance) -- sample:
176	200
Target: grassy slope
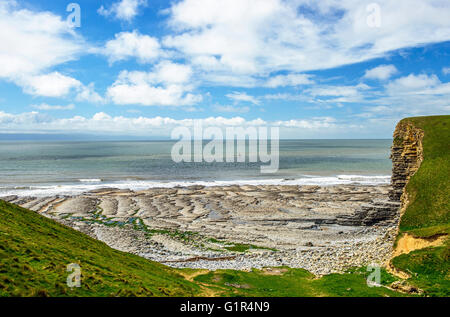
34	253
428	212
429	189
295	283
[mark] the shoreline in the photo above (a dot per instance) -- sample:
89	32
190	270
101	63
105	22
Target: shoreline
89	185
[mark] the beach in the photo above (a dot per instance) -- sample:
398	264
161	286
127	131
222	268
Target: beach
323	229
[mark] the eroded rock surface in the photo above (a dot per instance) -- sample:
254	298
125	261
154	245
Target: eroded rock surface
406	156
321	229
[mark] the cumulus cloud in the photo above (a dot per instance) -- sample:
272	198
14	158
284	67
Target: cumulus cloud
411	95
102	122
128	45
21	121
125	10
258	38
381	72
57	85
315	123
413	83
446	70
167	85
34	41
49	85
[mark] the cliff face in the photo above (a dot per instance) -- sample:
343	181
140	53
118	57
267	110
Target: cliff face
406	156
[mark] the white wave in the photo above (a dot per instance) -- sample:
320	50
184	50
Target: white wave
90	180
76	189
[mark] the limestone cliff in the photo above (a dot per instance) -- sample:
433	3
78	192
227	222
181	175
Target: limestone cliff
406	156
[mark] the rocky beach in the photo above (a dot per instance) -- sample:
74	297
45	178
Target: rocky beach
323	229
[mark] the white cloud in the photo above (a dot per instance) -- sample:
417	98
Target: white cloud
319	127
242	96
49	85
446	70
45	106
32	42
234	38
381	72
104	123
21	121
57	85
132	45
88	93
413	83
315	123
412	95
123	10
146	95
167	85
173	73
289	80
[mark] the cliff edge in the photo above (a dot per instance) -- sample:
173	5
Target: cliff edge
421	167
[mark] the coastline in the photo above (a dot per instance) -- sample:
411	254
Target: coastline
87	185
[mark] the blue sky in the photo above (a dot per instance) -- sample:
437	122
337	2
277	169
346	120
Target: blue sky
316	69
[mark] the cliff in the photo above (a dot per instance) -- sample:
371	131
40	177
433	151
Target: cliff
406	156
421	167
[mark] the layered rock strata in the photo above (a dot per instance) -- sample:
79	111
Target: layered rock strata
406	156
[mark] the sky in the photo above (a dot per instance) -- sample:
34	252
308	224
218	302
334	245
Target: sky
316	69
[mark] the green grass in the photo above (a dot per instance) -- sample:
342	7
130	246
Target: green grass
428	213
35	251
429	269
429	188
294	283
240	247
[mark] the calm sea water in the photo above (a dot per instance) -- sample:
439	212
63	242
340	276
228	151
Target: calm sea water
46	168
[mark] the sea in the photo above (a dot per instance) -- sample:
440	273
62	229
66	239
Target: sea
48	168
